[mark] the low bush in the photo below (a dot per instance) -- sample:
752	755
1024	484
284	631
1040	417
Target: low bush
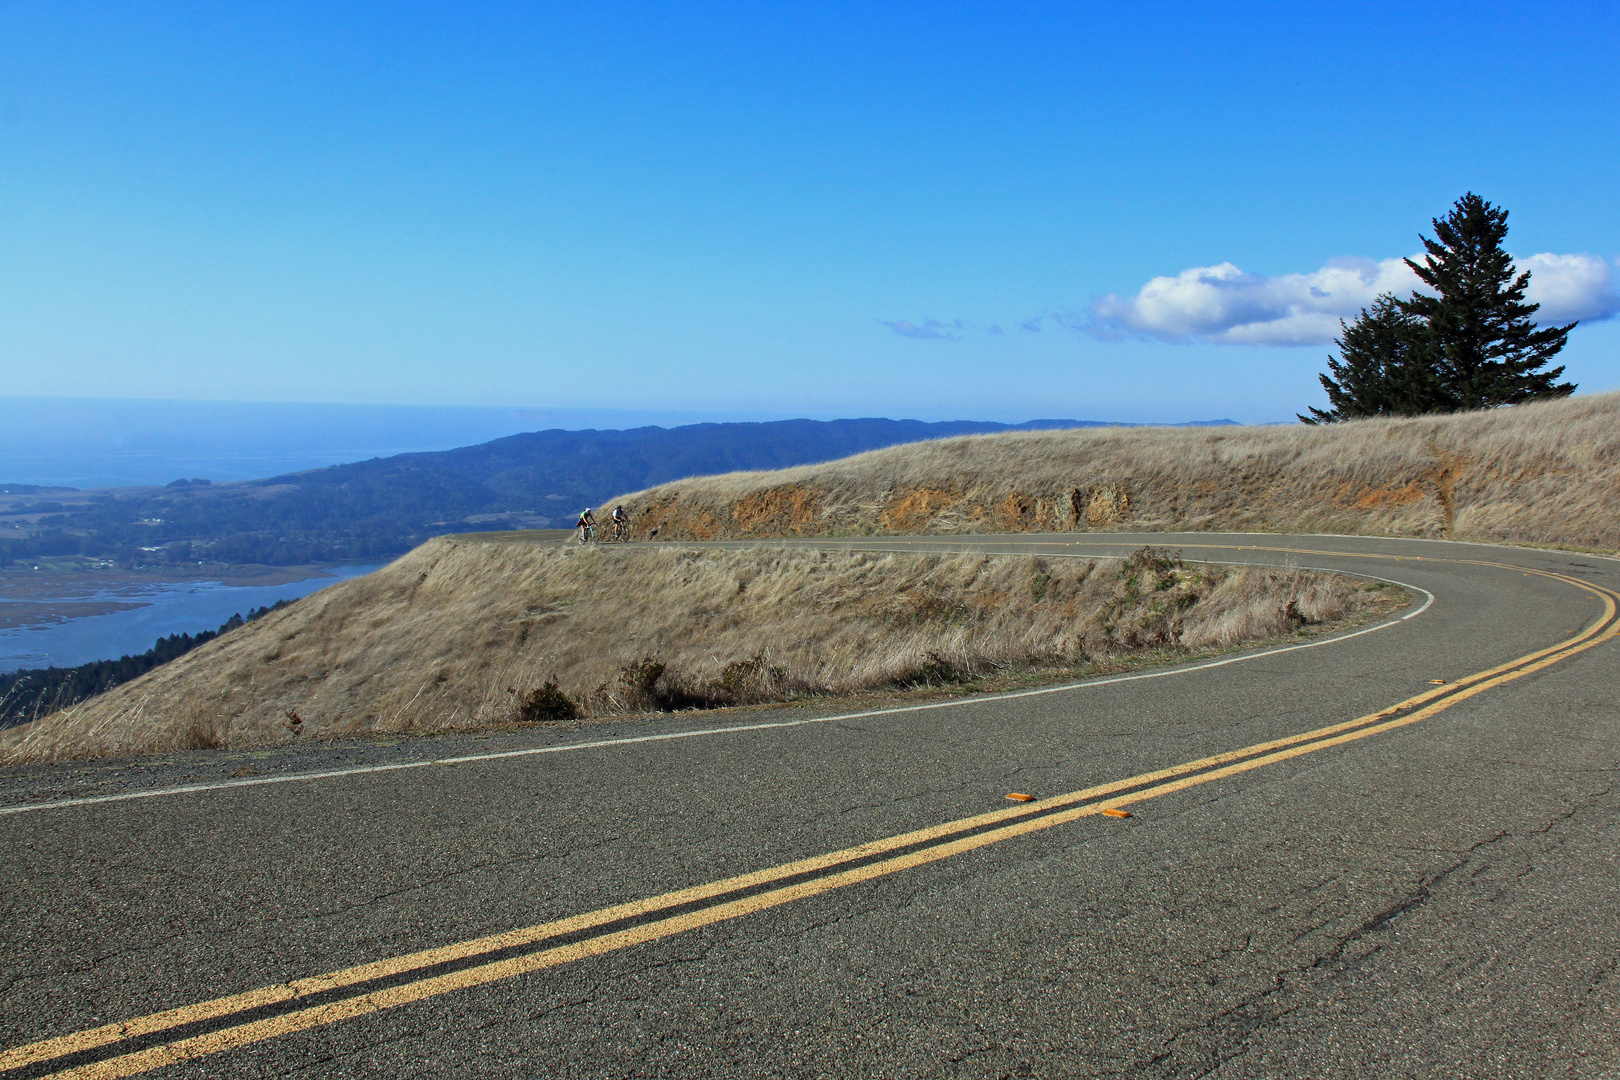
546	702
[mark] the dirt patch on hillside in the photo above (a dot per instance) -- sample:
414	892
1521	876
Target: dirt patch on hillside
1108	505
1383	498
1016	512
1450	469
916	509
674	518
791	510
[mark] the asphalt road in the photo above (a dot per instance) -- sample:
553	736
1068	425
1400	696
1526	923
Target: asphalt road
1431	890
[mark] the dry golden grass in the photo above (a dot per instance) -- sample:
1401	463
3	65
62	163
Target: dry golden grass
459	632
1546	473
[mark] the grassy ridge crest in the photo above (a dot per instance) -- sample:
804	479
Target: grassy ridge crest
1543	473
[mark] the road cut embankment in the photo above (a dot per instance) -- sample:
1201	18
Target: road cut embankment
1543	473
469	633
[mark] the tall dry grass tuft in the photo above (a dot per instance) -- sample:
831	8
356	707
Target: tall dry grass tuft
463	634
1540	473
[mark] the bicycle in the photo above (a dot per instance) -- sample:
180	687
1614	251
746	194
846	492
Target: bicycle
587	534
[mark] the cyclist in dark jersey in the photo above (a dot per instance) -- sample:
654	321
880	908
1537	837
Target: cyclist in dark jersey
621	524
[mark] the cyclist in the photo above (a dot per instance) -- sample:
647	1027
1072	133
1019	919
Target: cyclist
586	525
621	524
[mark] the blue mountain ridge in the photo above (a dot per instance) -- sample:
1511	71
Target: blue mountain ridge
384	506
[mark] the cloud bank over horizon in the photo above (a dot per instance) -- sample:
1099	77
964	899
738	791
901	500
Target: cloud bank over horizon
1224	305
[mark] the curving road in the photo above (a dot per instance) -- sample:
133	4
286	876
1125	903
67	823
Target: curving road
1395	854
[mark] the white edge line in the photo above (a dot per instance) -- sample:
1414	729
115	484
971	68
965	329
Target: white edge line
359	770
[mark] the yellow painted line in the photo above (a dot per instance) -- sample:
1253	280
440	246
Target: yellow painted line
272	995
321	1015
1377	729
1206	769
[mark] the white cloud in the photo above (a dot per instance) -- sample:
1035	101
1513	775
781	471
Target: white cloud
1225	305
929	329
1570	287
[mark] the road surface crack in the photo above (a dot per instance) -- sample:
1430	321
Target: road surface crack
1247	1016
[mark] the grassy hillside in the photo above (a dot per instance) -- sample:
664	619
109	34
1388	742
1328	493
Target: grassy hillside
1544	473
467	633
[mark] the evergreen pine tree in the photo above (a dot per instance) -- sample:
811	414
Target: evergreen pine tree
1380	370
1481	344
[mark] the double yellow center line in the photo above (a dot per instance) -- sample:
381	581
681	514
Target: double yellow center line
227	1023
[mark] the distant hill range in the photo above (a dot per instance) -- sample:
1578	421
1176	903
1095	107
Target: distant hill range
382	507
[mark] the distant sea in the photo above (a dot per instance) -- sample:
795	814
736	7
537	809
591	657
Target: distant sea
119	442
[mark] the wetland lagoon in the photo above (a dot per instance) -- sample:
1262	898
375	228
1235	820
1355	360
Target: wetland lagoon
66	619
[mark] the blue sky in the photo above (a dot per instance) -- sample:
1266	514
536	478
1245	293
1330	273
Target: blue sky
773	210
